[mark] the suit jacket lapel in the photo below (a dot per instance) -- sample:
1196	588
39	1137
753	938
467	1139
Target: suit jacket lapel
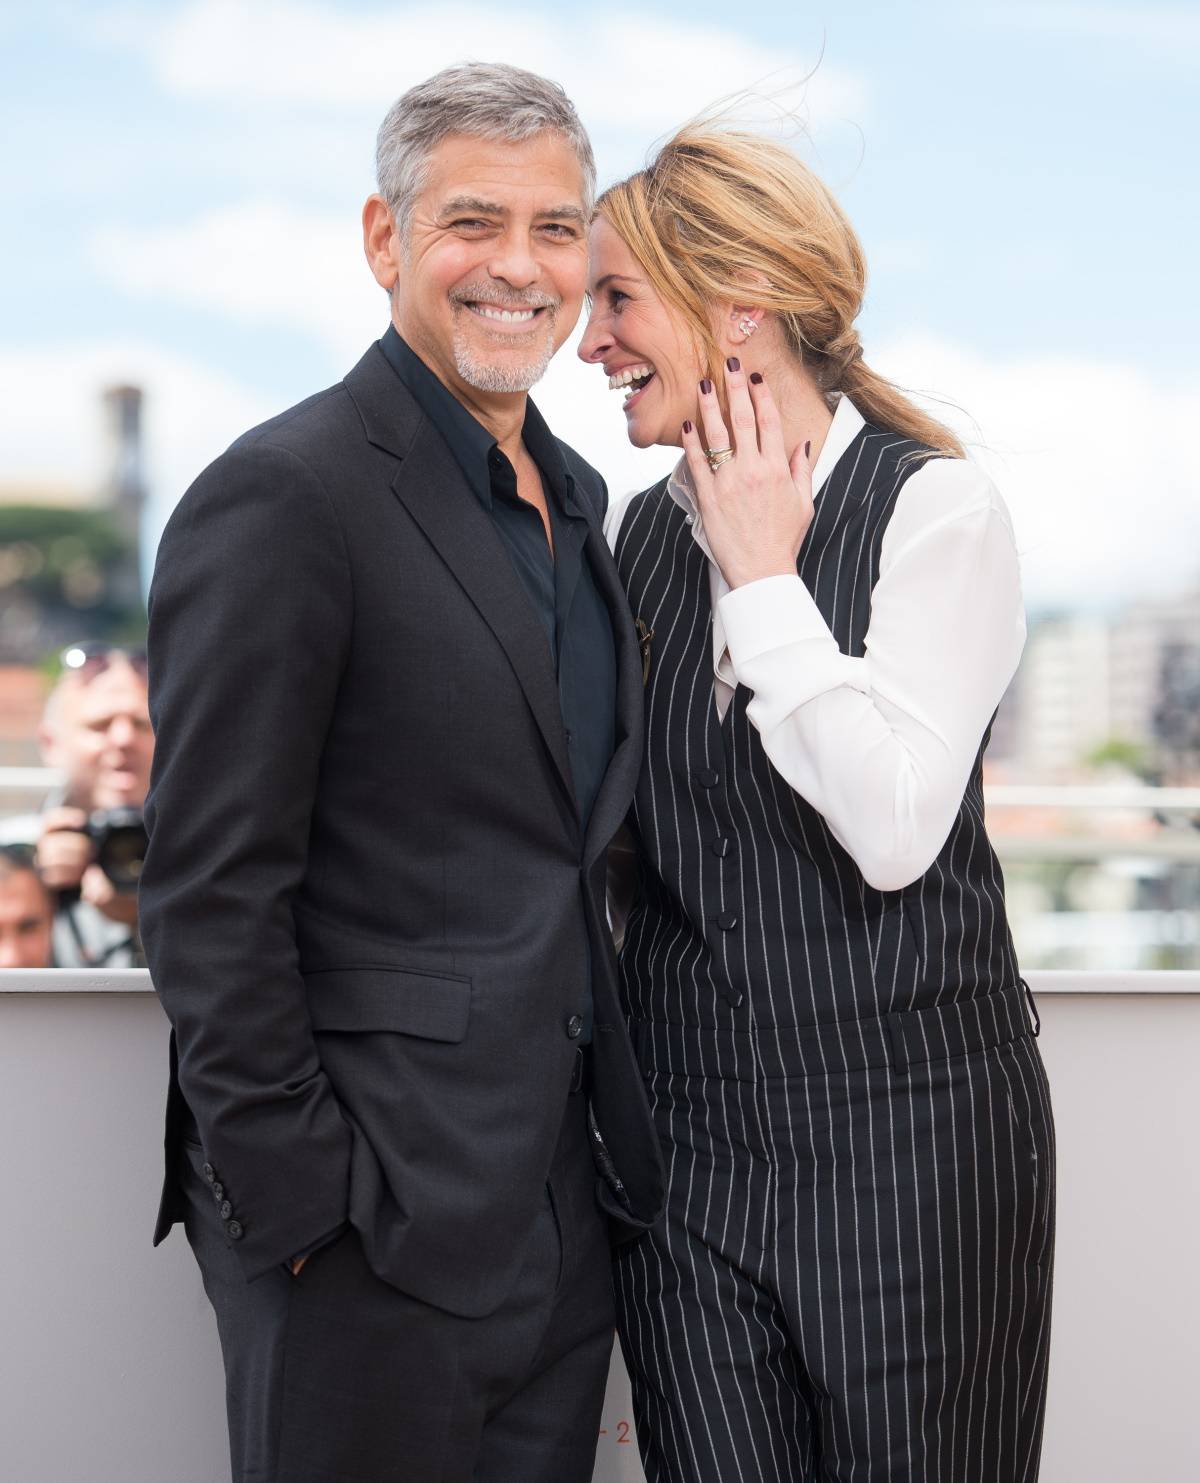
432	489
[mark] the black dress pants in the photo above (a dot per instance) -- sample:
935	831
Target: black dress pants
334	1376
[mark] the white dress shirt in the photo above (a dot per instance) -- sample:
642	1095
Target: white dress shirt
881	746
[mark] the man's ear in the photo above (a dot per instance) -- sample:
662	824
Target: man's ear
381	241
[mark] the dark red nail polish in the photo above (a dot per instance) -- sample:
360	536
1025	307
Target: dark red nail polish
733	363
755	378
706	386
808	448
687	427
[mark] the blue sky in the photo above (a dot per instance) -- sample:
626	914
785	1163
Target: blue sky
183	182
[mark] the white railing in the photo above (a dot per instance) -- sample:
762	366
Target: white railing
1070	795
29	779
996	795
1046	981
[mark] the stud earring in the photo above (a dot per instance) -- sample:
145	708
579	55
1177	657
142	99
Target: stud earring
747	325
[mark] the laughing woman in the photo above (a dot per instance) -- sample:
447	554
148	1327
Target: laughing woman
852	1280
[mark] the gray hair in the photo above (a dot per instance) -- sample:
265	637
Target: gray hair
490	100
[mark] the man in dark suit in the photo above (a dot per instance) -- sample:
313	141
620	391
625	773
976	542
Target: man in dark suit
397	701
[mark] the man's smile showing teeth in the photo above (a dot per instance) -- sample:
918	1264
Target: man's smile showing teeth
503	316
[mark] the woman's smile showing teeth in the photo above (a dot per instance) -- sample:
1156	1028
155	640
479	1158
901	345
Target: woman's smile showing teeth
635	378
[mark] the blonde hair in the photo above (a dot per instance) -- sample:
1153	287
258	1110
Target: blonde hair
721	214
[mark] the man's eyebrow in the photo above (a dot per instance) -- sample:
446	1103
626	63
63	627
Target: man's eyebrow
473	204
566	213
477	206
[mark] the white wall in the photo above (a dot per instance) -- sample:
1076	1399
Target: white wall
109	1369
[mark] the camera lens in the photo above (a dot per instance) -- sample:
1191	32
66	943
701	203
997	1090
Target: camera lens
120	838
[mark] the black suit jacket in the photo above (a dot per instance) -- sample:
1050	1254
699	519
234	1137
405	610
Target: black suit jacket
368	903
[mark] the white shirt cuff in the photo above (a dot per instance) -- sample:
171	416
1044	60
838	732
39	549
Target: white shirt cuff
768	614
781	647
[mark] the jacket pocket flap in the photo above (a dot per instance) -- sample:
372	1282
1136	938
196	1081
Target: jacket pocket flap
425	1004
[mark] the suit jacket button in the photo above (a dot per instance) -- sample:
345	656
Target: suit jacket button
234	1228
727	921
707	778
722	846
225	1210
209	1172
574	1027
218	1191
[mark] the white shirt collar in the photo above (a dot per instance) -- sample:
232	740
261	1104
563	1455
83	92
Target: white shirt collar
847	420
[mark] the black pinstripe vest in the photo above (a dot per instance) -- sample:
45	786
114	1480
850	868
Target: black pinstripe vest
747	908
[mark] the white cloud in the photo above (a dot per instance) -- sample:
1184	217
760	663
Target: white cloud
625	69
260	263
1095	461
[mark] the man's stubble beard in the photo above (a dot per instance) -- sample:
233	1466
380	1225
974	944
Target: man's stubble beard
485	375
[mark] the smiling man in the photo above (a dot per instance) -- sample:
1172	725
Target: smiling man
397	699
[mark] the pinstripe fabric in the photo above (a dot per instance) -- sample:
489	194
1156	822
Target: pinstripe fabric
852	1280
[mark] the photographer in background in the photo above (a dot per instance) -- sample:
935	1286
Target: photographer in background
26	911
90	838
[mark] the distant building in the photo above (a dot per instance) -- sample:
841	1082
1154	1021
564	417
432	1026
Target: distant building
1060	698
1088	681
1151	642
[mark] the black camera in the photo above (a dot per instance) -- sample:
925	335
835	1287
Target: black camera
119	835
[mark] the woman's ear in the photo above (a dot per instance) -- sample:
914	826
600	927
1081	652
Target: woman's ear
739	323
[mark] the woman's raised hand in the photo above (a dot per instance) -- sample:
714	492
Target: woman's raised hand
755	505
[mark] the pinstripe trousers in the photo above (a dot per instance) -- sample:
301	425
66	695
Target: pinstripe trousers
852	1279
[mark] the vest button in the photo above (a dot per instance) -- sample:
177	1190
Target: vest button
706	777
727	921
721	847
574	1027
